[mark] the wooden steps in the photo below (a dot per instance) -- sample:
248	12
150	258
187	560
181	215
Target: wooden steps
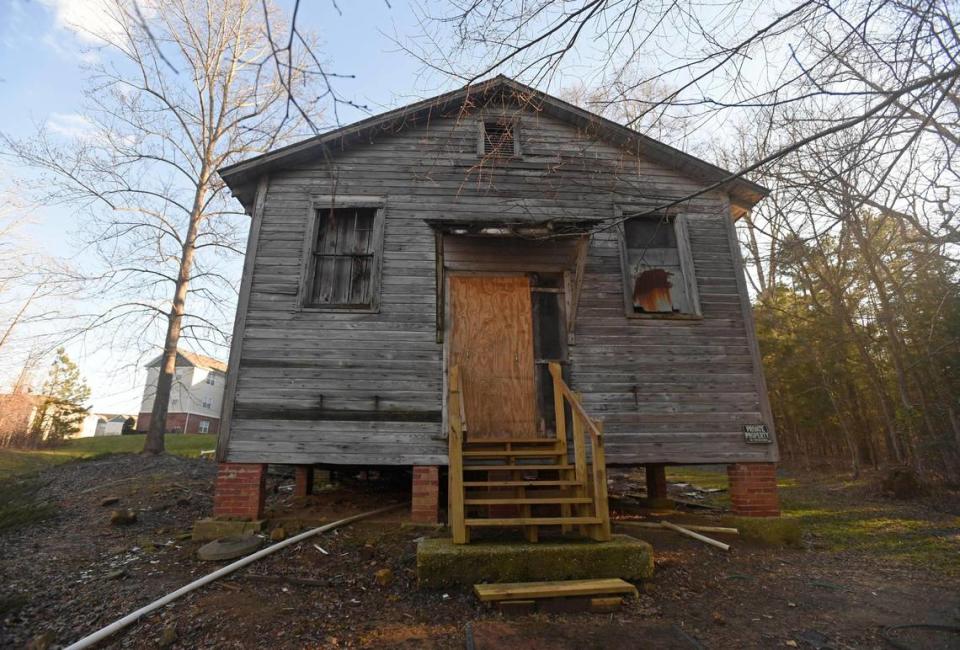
510	441
525	501
497	453
513	468
530	483
533	521
488	593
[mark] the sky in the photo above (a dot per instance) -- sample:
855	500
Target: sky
42	50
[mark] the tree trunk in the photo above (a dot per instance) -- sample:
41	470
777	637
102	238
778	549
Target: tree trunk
154	443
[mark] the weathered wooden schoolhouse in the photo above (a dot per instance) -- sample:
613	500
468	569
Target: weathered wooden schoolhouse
500	283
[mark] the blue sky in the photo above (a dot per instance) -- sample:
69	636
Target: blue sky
41	81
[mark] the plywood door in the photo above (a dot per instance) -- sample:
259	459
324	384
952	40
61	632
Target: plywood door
492	342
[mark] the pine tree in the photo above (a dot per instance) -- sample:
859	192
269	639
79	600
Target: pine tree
62	411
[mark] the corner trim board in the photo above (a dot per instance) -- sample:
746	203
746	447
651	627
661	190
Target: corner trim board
772	451
240	319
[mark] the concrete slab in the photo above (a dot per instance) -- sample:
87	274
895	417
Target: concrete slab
442	563
205	530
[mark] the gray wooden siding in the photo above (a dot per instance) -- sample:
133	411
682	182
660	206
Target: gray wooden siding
304	374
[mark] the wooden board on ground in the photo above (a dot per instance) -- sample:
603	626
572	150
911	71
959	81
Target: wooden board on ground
555	589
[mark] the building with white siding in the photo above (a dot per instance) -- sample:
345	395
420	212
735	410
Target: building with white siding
195	398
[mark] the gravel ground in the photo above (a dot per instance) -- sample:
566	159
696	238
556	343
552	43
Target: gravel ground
69	575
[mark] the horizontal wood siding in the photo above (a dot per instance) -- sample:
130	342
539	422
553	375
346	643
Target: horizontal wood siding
308	378
668	391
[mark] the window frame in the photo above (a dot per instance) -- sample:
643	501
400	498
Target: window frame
681	232
203	426
210	379
514	122
324	202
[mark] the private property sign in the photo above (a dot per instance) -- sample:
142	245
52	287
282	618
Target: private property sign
757	434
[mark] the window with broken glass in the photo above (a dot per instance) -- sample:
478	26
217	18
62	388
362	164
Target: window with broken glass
344	264
657	267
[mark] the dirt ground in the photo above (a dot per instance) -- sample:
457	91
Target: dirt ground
67	572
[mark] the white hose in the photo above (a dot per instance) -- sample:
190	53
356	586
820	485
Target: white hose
118	625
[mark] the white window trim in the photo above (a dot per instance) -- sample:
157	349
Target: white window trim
325	201
682	233
204	426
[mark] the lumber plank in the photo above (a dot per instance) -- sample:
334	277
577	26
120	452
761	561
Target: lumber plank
481	468
698	528
512	441
697	536
557	589
496	453
525	500
519	483
532	521
605	604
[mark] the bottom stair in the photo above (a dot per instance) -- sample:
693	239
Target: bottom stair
553	589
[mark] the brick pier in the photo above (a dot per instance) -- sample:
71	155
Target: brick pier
425	502
240	491
753	489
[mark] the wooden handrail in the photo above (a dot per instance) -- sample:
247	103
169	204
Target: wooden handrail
596	475
458	427
575	404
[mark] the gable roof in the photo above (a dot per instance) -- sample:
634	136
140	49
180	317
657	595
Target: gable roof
241	176
185	358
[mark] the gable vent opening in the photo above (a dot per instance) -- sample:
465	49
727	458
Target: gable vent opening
498	139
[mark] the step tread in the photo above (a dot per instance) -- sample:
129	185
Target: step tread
490	453
533	521
531	483
513	441
555	589
505	501
513	468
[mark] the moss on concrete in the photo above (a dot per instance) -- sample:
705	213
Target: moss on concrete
442	563
205	530
773	531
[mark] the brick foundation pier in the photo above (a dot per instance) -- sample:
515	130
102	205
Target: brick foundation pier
240	491
303	480
425	502
753	489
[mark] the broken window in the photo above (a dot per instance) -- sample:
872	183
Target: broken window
344	263
499	138
658	269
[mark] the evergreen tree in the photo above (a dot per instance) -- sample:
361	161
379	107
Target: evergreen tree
62	411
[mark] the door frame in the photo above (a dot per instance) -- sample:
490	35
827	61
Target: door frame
448	325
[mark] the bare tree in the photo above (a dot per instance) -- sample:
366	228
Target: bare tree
888	68
181	89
